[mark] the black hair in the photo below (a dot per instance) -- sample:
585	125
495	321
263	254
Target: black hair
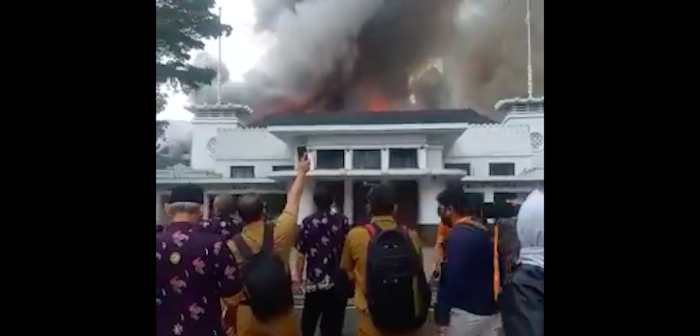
188	193
322	198
381	200
250	208
453	196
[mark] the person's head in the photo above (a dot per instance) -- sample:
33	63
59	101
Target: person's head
322	199
186	204
452	205
251	208
381	200
224	204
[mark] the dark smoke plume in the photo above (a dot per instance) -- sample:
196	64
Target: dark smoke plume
326	46
489	59
329	49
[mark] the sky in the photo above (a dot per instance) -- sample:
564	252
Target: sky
240	51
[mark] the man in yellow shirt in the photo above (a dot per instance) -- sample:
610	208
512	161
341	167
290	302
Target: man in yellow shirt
382	207
251	211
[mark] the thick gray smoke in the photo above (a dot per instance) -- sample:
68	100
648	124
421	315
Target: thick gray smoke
489	59
320	42
234	93
314	39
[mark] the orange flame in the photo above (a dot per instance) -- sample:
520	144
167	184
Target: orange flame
373	100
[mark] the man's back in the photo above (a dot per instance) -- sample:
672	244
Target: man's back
194	269
321	240
284	236
355	261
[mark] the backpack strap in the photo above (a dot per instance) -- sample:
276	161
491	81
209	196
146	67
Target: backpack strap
242	247
372	229
268	238
496	265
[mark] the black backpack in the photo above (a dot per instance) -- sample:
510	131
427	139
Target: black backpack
398	296
267	285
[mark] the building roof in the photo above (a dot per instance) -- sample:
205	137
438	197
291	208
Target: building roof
375	118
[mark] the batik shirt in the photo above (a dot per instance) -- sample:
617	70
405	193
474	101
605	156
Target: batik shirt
194	269
226	226
321	240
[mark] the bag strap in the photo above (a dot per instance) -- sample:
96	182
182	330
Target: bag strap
242	247
268	238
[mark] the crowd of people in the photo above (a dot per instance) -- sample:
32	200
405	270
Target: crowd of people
231	275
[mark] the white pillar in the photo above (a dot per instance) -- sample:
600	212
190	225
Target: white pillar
488	195
422	158
159	207
306	204
428	189
348	201
348	159
385	159
205	215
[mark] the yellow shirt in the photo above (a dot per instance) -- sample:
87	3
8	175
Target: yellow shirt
284	237
354	259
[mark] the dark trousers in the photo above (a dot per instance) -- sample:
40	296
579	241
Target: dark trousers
522	302
327	305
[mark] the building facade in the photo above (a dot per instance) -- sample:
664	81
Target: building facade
420	152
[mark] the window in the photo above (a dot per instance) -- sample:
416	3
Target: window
330	159
467	167
501	169
242	172
403	158
367	159
282	168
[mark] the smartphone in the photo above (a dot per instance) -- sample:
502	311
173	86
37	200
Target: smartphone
301	150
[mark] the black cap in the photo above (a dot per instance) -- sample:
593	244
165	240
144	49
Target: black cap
187	193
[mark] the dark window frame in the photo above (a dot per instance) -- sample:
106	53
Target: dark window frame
394	151
495	169
279	168
247	169
356	163
335	164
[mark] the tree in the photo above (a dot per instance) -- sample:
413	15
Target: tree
181	27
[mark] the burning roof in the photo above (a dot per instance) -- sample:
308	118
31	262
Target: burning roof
373	118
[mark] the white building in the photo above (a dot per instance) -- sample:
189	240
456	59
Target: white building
418	151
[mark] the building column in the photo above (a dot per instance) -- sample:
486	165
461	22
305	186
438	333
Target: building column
488	195
385	159
306	204
422	157
205	215
159	207
428	189
348	159
348	200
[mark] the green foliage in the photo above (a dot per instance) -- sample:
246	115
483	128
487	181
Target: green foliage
181	27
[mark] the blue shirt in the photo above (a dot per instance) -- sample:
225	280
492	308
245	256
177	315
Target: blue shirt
470	271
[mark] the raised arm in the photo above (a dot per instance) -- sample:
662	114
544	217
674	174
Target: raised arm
294	194
286	228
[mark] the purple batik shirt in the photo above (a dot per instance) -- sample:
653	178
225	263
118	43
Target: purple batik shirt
194	269
321	240
225	226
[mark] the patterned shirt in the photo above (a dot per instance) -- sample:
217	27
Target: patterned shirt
194	269
225	226
321	240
